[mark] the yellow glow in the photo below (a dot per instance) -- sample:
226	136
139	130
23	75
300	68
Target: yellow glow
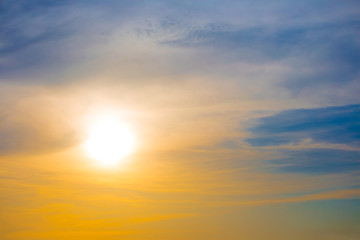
109	141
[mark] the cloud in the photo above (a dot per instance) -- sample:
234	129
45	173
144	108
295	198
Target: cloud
328	126
337	125
43	39
332	47
329	195
32	137
33	120
322	52
236	42
317	161
30	35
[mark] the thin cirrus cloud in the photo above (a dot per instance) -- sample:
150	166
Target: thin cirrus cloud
45	38
19	135
54	34
331	46
334	125
317	161
186	75
28	35
329	125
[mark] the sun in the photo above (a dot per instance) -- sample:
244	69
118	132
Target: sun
109	141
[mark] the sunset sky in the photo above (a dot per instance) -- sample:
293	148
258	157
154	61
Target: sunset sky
241	119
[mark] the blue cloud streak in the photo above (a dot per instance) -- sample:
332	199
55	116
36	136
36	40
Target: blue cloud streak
329	125
338	125
317	161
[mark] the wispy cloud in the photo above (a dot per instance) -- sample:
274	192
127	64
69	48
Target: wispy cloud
332	126
188	75
327	125
330	195
317	161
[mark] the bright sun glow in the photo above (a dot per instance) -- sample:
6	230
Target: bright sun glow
109	141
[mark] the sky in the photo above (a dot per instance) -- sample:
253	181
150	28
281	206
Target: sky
246	115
